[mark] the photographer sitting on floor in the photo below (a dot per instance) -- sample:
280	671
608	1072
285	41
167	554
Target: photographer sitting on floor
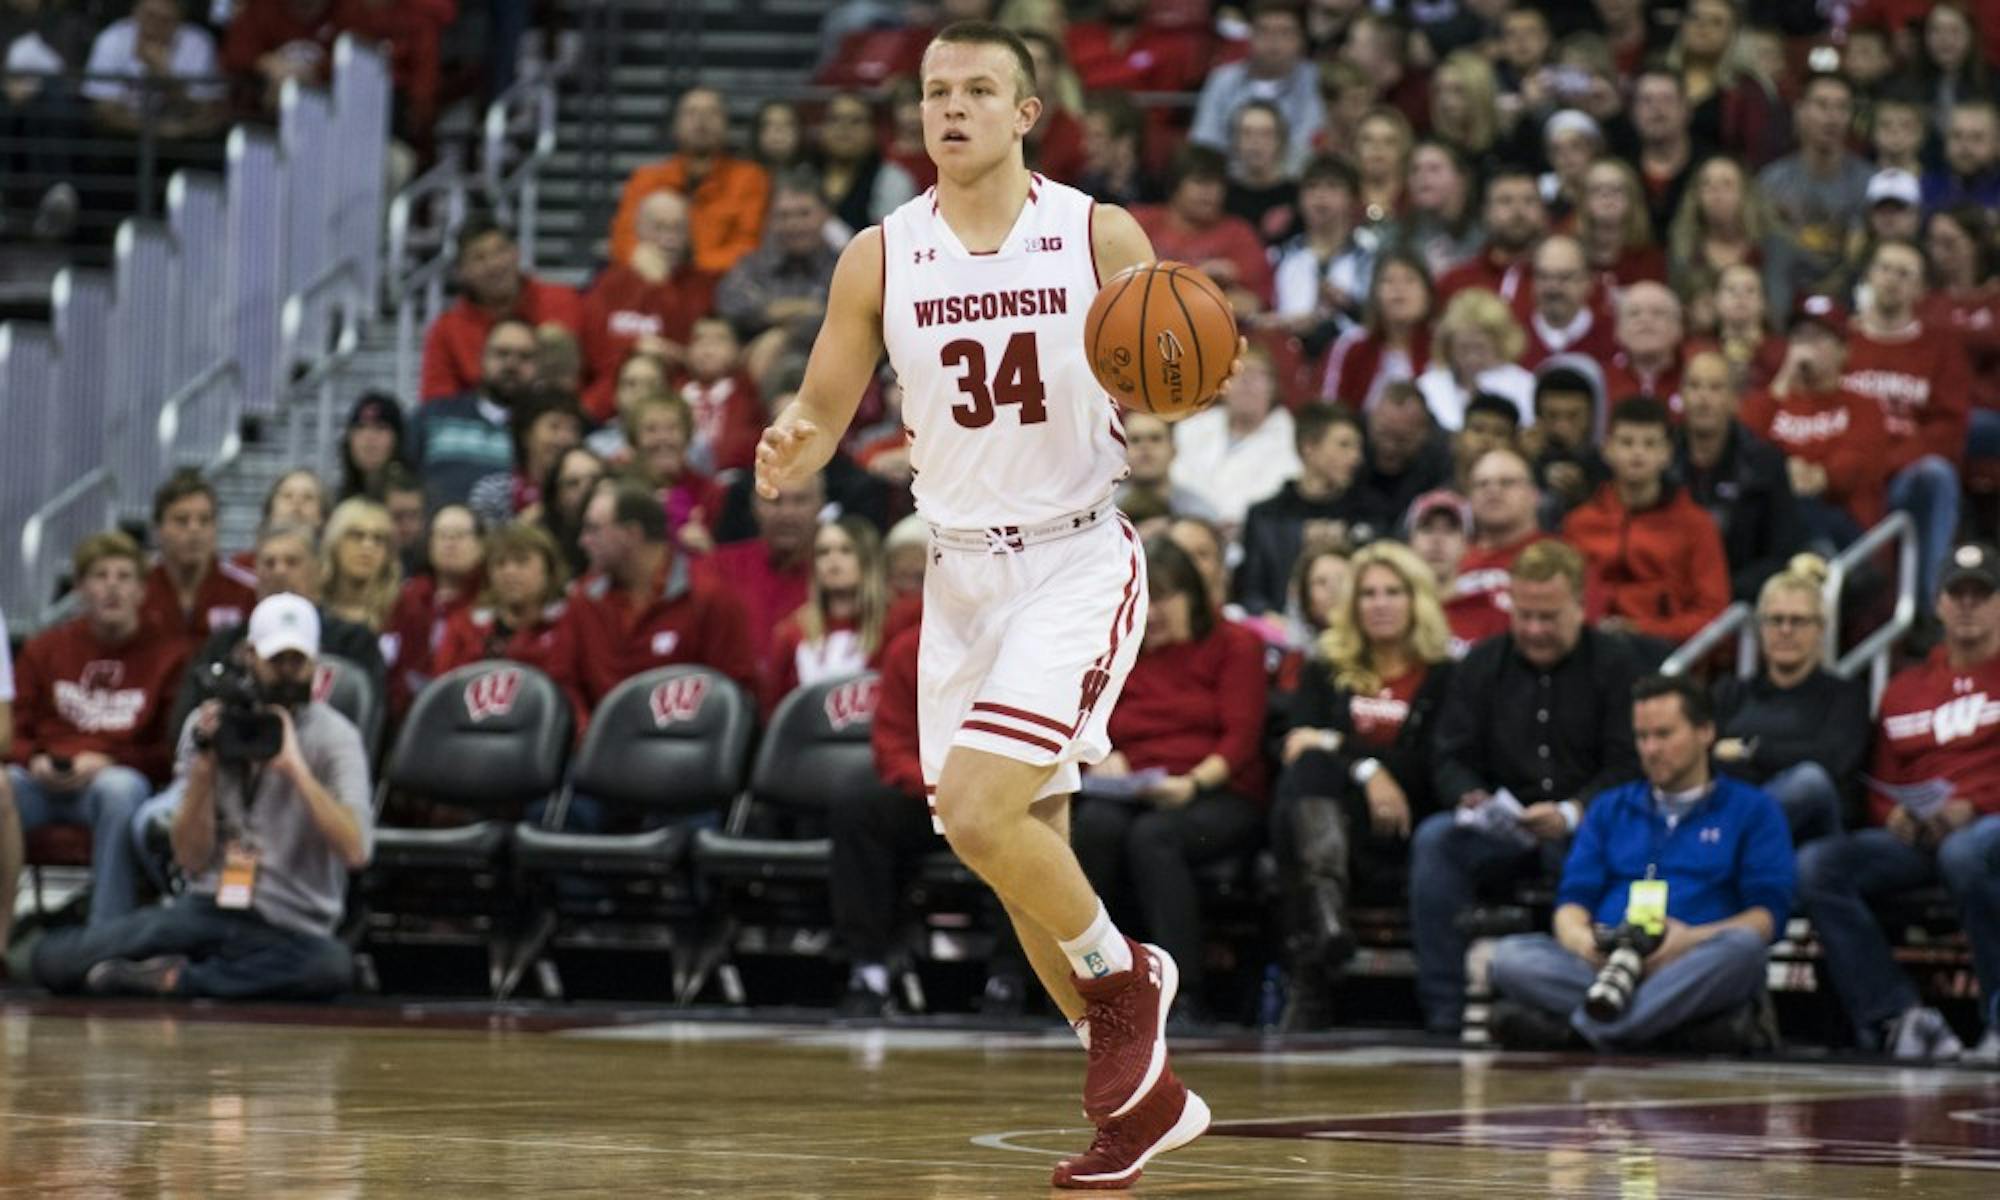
273	814
1701	863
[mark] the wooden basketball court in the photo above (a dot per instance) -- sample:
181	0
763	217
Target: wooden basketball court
436	1101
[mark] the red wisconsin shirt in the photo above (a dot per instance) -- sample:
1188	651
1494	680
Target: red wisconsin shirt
894	736
1838	430
1187	701
622	308
414	632
1622	379
475	634
758	588
1662	568
1941	723
1378	719
794	661
457	338
73	692
1150	60
605	638
1595	343
1231	239
1974	316
222	600
1508	277
1355	366
728	419
1921	380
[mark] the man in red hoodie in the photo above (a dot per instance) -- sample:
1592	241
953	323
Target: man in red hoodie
1918	373
1935	797
190	592
90	722
492	286
1657	553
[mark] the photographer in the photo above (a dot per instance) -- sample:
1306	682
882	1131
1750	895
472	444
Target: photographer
273	814
1724	854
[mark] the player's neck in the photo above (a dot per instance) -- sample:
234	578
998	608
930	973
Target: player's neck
982	210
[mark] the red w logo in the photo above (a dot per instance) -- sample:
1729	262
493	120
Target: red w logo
492	694
678	700
1095	681
322	685
853	701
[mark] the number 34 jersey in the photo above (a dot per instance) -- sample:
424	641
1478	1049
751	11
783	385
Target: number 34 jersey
1007	424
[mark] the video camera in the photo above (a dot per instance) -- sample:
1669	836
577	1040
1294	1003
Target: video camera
248	732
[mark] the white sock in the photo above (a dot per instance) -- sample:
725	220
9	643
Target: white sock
1081	1027
873	976
1099	950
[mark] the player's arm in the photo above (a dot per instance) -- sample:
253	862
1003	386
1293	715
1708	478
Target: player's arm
1116	240
804	436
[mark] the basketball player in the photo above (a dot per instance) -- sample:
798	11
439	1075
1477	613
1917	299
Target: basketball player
1035	601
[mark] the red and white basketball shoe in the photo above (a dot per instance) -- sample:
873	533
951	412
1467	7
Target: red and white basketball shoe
1127	1015
1168	1118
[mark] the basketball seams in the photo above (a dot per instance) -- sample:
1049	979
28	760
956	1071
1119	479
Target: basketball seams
1145	300
1194	334
1092	336
1228	315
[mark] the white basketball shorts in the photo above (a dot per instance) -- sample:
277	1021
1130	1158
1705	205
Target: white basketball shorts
1025	651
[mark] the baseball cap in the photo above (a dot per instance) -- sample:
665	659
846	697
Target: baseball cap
1440	500
284	622
376	408
1822	310
1894	186
1976	562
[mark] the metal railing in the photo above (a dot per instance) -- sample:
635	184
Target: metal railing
515	190
1873	652
1735	620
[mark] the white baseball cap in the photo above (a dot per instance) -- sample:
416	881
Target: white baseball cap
284	622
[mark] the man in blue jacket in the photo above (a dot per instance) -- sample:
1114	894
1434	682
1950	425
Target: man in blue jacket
1723	850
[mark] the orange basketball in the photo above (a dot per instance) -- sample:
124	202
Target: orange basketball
1161	339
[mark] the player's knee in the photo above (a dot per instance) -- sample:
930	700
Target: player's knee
968	824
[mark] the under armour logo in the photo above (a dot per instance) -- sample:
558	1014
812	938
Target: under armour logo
1004	539
1711	836
923	256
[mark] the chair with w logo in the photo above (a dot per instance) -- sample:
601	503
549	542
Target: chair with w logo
665	749
479	746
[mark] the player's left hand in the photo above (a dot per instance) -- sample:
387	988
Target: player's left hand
1235	366
778	454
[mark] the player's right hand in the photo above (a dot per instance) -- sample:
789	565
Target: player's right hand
778	454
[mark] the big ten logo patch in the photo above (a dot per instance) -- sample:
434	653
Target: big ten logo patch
493	694
1043	245
852	702
677	700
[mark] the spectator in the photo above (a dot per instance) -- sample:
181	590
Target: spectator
1832	438
175	92
1464	112
641	607
1491	423
776	296
768	576
1565	320
1615	229
1193	228
1262	192
1795	729
1393	342
1114	154
858	186
1739	478
1121	52
1896	132
728	413
1668	158
1515	220
1917	372
1719	847
1405	454
1383	142
660	431
1054	147
1186	742
647	303
519	609
1571	141
1534	718
838	630
1948	68
304	821
576	475
277	41
777	141
1357	764
298	497
1569	408
1237	453
1935	799
1321	504
1724	221
904	145
1380	46
454	574
546	425
1649	332
1894	215
640	377
1477	343
1971	171
1733	106
190	592
1203	545
403	496
493	290
1965	295
358	566
287	560
90	720
1318	588
1441	225
1149	461
1439	533
1521	52
457	443
906	551
373	440
1656	551
1820	190
38	44
727	196
1743	329
1276	71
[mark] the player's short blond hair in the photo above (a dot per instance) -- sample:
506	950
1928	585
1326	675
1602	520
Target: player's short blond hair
986	33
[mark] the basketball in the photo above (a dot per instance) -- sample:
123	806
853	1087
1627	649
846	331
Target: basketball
1161	338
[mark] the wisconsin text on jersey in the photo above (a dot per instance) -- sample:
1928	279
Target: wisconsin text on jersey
991	306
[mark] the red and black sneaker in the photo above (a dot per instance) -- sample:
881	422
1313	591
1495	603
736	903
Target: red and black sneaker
1170	1117
1127	1014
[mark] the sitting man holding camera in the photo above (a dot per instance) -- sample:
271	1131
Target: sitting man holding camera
273	813
1671	896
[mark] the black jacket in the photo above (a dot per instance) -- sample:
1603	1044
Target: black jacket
1320	703
1750	496
1390	495
1823	719
1274	533
344	638
1561	734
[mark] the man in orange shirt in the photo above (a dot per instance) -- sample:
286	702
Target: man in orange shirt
728	194
491	286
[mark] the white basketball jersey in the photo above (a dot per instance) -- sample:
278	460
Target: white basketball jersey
1007	425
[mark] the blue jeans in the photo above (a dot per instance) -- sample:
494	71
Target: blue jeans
1829	528
1722	973
1927	489
231	955
1448	867
1838	876
106	806
1982	439
1809	799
